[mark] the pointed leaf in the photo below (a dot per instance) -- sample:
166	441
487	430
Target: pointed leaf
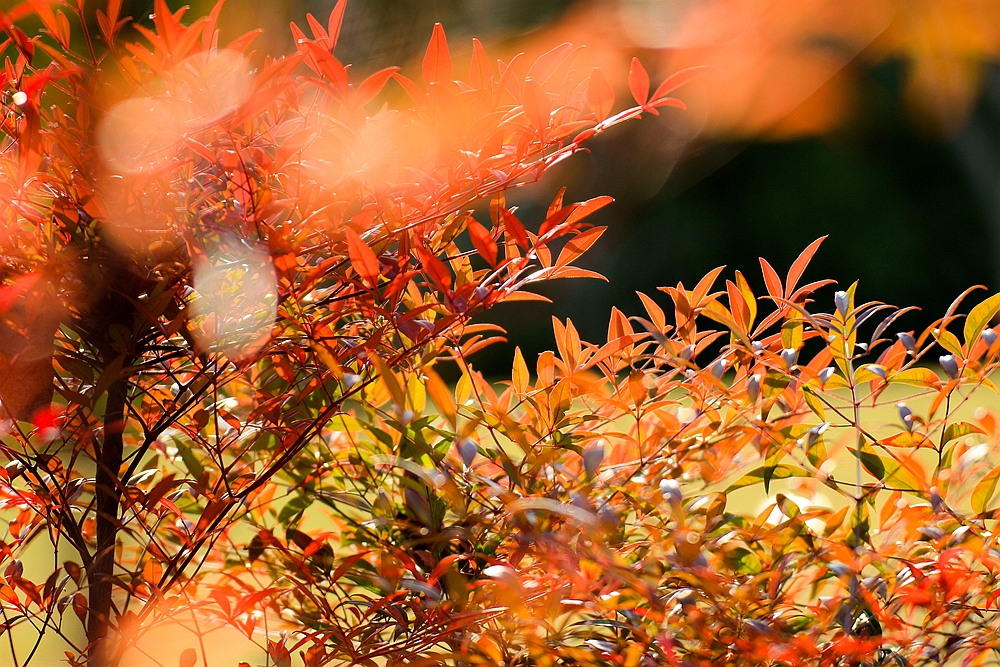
336	22
480	71
362	258
799	265
373	85
483	240
984	491
676	80
600	95
537	105
437	61
638	82
979	317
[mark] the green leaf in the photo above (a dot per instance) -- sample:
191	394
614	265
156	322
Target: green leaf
353	500
871	461
293	508
979	317
756	476
191	461
960	429
860	526
775	383
983	493
770	463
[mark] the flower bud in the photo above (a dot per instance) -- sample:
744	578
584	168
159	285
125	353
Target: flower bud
593	456
467	450
989	337
671	490
753	388
788	356
950	365
908	342
825	375
813	434
906	414
758	348
718	369
843	302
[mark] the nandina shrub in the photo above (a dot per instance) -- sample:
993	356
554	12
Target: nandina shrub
206	267
220	329
594	510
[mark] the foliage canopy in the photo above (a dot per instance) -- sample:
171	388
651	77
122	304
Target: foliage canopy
226	290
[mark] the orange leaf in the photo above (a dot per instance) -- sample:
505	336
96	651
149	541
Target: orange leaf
800	264
676	80
418	96
362	258
441	396
638	82
521	378
579	245
600	95
480	70
515	229
589	207
336	21
771	279
373	85
484	242
437	60
537	105
435	269
547	63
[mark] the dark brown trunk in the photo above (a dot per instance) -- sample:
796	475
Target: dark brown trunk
108	499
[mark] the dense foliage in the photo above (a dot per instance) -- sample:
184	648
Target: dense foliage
227	295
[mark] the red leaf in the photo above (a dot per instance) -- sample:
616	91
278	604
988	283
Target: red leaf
537	105
579	245
676	80
318	31
800	264
600	95
336	21
480	70
437	60
556	219
484	242
547	63
373	85
362	258
435	269
557	203
638	82
418	96
515	229
589	207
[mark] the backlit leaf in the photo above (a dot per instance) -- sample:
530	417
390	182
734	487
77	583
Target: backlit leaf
638	82
985	490
436	66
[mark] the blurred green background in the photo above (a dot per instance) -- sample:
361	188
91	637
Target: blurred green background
876	122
